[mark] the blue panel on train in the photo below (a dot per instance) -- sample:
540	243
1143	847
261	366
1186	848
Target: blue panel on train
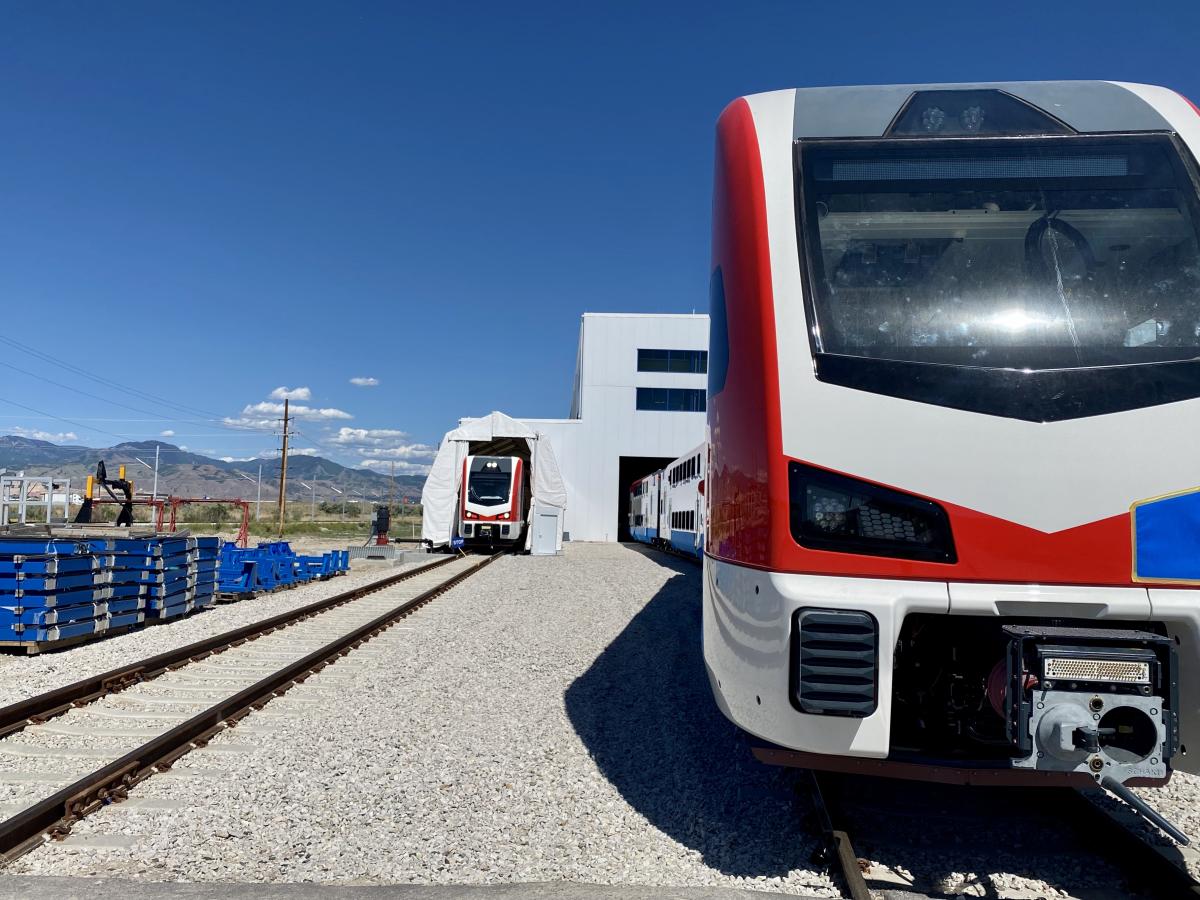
1166	534
685	542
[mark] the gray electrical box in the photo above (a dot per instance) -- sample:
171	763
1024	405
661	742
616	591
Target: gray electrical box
547	522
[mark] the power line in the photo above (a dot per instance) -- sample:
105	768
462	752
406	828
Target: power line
107	400
153	398
121	437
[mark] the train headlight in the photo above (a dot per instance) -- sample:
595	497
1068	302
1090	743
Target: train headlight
504	516
833	512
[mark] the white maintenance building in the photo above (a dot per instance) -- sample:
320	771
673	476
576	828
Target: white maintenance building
638	402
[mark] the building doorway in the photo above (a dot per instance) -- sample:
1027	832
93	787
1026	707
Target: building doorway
632	468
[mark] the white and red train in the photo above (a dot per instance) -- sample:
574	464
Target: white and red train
954	405
492	501
666	508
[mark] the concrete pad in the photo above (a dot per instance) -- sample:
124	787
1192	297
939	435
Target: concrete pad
31	888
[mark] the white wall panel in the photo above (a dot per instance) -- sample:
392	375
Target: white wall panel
589	448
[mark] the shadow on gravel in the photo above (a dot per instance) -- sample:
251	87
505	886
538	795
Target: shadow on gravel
644	711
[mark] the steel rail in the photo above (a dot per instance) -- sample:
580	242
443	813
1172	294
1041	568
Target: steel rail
837	843
37	709
55	815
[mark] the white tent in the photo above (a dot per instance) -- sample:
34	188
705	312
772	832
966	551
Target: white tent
487	434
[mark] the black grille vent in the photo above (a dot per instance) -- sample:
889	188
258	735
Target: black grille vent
834	658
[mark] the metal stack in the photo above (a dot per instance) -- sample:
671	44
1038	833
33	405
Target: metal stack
57	590
273	565
208	571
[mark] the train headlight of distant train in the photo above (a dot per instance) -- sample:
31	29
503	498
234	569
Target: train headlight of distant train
833	512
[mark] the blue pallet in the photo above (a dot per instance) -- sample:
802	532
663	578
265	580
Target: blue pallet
170	612
154	563
48	565
159	546
124	591
38	616
130	604
173	586
157	603
56	599
49	583
51	633
59	547
124	619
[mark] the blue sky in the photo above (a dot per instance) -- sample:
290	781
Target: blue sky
210	202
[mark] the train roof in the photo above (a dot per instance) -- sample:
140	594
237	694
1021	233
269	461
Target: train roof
876	110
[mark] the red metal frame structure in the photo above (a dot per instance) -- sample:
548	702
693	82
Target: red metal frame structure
243	535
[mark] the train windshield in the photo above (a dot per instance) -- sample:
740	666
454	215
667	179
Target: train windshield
1034	253
490	482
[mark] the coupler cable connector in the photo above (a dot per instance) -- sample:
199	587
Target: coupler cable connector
1143	809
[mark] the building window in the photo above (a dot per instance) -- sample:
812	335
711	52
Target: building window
690	361
671	399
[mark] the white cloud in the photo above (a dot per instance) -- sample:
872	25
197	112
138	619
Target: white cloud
366	437
402	467
237	458
300	412
167	433
283	393
55	437
303	451
268	416
365	381
402	451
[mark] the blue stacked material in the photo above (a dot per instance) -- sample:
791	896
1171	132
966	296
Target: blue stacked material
280	554
207	569
51	590
272	565
238	571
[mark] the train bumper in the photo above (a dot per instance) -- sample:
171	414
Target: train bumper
748	621
491	531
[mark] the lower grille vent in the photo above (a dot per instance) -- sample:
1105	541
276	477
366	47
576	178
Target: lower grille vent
835	654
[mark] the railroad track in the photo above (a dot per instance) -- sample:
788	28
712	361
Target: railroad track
1079	828
85	745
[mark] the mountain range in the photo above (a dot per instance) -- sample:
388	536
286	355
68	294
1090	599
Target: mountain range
182	473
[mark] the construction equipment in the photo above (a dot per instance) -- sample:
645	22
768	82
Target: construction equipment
121	483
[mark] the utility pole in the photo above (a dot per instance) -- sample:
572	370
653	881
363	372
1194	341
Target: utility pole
392	488
313	487
154	492
258	502
283	471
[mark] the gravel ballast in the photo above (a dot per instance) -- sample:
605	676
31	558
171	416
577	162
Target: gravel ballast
549	719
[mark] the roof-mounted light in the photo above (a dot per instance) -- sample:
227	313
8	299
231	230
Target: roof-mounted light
959	113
